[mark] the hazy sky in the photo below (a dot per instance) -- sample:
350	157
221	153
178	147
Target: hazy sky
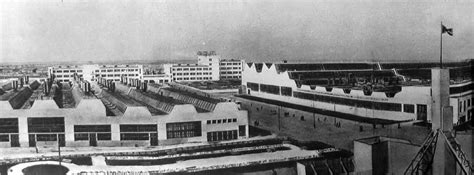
255	30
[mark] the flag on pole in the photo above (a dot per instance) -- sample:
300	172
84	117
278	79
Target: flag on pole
444	29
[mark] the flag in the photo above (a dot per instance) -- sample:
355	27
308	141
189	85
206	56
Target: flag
444	29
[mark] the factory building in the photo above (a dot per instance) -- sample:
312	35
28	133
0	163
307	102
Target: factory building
360	91
92	72
127	112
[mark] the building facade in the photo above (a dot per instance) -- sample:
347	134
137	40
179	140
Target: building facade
91	72
333	88
209	67
141	119
231	69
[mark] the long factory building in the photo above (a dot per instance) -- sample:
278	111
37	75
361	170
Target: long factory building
114	113
368	92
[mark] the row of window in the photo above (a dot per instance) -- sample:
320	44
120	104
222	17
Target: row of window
222	135
219	121
230	68
117	70
117	75
193	78
67	71
464	105
328	99
223	64
183	129
192	69
231	77
230	72
87	136
193	73
350	102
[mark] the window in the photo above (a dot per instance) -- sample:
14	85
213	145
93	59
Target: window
242	130
219	121
222	135
209	121
8	125
81	136
92	128
138	128
103	70
349	102
214	121
210	59
185	69
210	64
45	125
192	69
253	86
4	138
134	136
270	89
183	129
286	91
46	137
104	136
136	132
408	108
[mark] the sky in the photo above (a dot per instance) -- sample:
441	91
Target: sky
254	30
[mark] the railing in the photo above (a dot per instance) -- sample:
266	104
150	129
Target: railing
459	154
429	146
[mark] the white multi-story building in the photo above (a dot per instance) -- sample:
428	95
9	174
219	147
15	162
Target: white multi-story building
231	69
193	72
209	67
91	72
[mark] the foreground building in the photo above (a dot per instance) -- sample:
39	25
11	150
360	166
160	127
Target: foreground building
392	92
109	113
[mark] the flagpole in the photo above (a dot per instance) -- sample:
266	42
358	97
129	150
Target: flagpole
441	48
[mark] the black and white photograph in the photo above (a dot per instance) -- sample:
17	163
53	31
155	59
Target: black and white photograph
236	87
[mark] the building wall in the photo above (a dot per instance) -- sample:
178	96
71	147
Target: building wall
231	69
93	112
91	72
409	95
188	72
362	158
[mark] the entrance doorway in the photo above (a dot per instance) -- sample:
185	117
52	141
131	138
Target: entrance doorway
154	139
92	139
14	140
421	112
